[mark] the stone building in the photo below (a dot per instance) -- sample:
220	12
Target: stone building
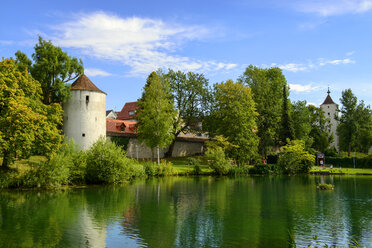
84	118
330	109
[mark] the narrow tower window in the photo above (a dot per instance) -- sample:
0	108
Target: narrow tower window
83	134
87	99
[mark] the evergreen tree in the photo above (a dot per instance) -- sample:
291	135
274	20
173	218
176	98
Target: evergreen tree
287	131
155	114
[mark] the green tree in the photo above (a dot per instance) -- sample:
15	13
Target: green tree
156	114
301	122
348	125
267	88
364	134
53	68
190	94
354	129
320	129
286	131
235	117
26	123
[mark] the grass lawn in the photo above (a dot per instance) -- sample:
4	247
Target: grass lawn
182	167
349	171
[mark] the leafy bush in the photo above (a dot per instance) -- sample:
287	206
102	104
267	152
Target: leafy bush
241	170
261	169
217	161
193	161
196	170
348	162
163	169
294	159
107	163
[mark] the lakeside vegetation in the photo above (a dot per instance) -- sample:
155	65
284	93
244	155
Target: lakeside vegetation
248	120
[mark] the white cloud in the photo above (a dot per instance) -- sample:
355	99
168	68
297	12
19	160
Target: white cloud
96	72
143	44
333	7
293	67
350	53
303	88
323	62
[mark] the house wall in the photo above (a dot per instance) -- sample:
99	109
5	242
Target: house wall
85	118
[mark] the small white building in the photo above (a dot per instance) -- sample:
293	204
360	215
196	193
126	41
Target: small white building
330	109
84	118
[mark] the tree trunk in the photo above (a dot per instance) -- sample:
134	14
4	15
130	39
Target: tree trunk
349	150
158	155
5	164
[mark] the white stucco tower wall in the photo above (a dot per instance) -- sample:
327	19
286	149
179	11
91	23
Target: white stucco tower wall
330	110
84	118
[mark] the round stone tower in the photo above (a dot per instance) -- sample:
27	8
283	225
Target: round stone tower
84	118
330	109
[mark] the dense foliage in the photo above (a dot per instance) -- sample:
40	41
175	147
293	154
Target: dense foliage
267	89
294	159
155	114
26	123
53	68
235	118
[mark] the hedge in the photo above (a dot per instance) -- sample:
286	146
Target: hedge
348	162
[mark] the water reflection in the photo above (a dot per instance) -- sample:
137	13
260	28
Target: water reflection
191	212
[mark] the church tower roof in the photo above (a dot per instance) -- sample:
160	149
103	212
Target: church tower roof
84	83
328	99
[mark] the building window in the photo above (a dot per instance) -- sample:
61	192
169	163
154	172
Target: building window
329	113
87	99
131	112
328	106
83	135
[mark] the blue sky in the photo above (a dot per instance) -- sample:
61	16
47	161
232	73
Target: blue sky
317	43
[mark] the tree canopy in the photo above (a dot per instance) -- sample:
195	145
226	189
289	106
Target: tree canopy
53	68
156	114
355	124
190	93
235	118
267	89
26	123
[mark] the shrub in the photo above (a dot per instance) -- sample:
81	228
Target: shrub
152	169
294	159
193	161
348	162
217	161
196	170
260	168
241	170
107	163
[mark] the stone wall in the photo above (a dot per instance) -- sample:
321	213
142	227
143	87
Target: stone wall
183	147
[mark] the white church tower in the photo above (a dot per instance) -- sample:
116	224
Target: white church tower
330	109
84	118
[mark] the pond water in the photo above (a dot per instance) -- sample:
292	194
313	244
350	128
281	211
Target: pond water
192	212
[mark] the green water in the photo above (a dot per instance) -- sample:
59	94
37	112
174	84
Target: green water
191	212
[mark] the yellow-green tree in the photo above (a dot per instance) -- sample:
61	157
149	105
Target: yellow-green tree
235	118
26	124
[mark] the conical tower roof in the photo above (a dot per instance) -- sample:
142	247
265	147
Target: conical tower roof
328	99
84	83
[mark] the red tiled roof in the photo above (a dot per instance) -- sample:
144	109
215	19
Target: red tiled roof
120	126
328	100
84	83
124	113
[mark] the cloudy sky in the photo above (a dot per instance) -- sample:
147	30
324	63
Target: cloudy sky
317	43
